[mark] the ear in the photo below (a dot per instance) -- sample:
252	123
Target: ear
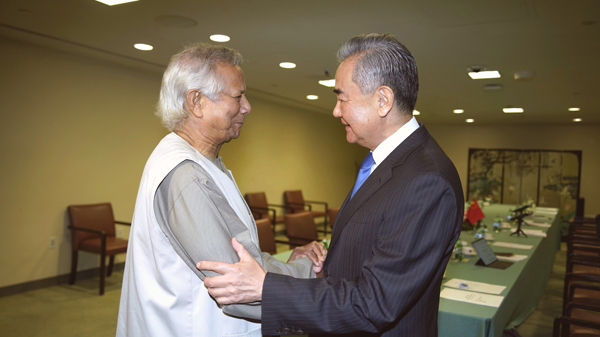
385	100
193	100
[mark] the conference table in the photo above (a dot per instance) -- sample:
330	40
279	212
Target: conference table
525	280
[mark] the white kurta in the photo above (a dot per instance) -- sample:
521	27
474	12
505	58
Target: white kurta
161	295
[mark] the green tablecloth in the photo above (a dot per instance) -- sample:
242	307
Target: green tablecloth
525	281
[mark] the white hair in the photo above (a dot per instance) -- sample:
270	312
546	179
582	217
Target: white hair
195	67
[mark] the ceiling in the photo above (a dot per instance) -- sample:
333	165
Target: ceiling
558	40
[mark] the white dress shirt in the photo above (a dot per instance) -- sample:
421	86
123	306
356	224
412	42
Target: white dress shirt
390	143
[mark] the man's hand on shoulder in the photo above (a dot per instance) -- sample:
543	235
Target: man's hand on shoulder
241	282
315	251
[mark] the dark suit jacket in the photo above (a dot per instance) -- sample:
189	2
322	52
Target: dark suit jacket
389	249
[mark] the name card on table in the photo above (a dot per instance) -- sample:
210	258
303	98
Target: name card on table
534	232
514	258
538	224
544	210
540	217
511	245
475	286
471	297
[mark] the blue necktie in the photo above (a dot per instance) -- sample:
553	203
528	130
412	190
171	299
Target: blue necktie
363	173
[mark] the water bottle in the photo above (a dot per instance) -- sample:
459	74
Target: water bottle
496	224
455	254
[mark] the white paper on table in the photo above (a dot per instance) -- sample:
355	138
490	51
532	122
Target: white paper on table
471	297
546	211
511	245
538	224
514	258
475	286
553	209
534	232
540	217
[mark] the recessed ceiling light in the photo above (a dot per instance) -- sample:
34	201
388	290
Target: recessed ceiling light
523	75
143	46
287	65
574	109
479	75
327	83
470	120
416	112
458	111
576	120
312	97
219	38
115	2
513	110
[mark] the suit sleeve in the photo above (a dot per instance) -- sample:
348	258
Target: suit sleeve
200	224
414	237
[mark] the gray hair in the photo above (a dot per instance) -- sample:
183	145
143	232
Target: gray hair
192	68
383	60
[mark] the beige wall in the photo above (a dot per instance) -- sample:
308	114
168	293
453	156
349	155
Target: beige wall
76	129
456	141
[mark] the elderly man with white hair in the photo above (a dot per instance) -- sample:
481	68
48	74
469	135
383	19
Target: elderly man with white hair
189	208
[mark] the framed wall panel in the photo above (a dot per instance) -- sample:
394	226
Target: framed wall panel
509	176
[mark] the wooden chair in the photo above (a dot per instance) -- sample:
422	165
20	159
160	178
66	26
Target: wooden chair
583	265
93	230
266	238
300	229
332	213
579	321
295	201
583	240
261	209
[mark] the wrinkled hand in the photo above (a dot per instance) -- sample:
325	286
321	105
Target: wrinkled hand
315	251
241	282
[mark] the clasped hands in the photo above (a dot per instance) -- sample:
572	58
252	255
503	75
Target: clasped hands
242	282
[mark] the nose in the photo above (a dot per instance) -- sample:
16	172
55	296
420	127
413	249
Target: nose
337	111
245	107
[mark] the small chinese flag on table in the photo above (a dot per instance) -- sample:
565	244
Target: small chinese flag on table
474	213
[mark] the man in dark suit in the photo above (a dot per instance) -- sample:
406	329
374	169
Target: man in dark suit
396	229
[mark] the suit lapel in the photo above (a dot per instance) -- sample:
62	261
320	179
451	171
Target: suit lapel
376	180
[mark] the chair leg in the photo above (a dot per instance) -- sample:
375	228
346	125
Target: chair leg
74	255
111	262
102	271
565	297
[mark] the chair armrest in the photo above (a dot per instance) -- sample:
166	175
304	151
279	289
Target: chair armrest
259	210
287	208
582	220
303	204
588	307
572	321
123	223
318	202
582	277
583	258
586	263
262	210
99	232
574	286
